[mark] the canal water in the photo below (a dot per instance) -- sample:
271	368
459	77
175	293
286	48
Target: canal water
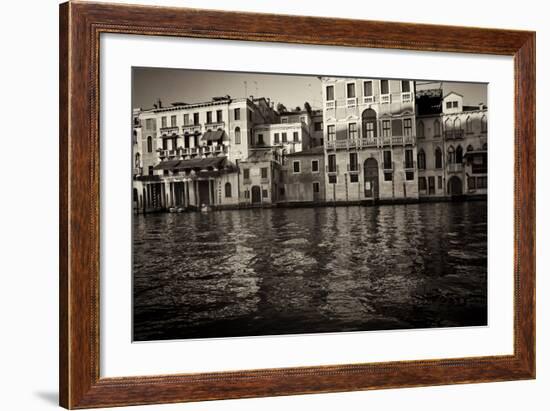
309	270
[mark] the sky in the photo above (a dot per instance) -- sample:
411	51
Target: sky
194	86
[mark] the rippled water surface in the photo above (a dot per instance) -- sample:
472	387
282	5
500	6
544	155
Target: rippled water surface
309	270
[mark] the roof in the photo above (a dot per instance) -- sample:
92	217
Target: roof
194	163
310	152
260	155
452	92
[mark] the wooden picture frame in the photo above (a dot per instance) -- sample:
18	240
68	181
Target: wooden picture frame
80	27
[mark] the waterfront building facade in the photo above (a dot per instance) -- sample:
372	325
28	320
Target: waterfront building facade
290	137
370	139
304	177
452	146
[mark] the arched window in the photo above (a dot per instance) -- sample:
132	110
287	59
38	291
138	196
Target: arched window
451	155
438	158
468	125
420	129
369	123
470	148
421	160
227	190
137	160
458	155
483	124
457	124
437	128
448	124
149	144
237	135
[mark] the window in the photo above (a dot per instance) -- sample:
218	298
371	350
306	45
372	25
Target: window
263	171
246	173
422	183
471	183
332	179
295	137
451	157
173	121
468	125
237	135
208	117
219	116
458	154
384	87
353	166
421	160
409	159
149	125
350	90
386	128
283	135
237	113
314	166
439	182
437	128
409	175
331	132
369	129
249	114
186	119
316	187
163	121
438	158
352	131
151	170
260	139
354	178
405	86
481	182
227	190
457	124
276	138
264	193
332	163
149	144
408	127
483	124
387	160
165	172
449	104
318	126
420	129
137	160
284	120
388	176
367	88
296	166
455	104
196	119
330	93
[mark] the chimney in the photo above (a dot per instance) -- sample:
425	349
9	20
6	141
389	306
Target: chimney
251	97
159	103
480	106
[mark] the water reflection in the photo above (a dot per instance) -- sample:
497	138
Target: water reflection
286	271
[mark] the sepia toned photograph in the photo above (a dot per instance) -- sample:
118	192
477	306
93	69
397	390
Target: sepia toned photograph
275	204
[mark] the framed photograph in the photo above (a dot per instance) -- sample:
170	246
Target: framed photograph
258	205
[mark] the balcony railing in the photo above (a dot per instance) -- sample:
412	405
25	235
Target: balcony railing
330	105
385	98
167	153
455	167
358	143
351	102
214	125
406	97
368	99
454	134
169	130
191	128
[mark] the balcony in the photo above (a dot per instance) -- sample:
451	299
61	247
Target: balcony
455	167
454	134
368	99
406	97
163	153
351	102
191	128
215	126
169	130
385	98
330	105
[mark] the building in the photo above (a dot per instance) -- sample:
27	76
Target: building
261	176
304	177
452	146
370	143
290	137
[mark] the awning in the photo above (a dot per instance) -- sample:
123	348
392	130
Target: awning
167	165
201	163
213	135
